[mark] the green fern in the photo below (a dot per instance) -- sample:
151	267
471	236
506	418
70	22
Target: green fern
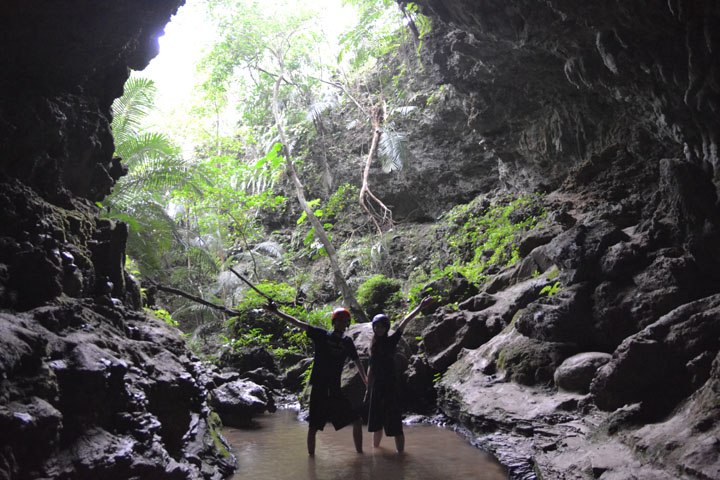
132	107
154	167
550	290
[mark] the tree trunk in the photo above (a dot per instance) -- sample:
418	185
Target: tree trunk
327	176
386	215
340	282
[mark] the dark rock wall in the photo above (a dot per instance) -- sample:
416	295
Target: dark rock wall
62	69
552	84
612	109
90	386
536	90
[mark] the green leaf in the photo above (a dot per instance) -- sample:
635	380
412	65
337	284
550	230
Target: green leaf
393	150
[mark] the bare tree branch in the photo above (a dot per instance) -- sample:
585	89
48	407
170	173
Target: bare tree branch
344	90
194	298
347	293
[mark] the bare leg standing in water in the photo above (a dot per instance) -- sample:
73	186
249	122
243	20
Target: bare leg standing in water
385	411
327	401
357	435
357	438
312	432
399	440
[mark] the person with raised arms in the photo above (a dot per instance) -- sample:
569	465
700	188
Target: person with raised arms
327	401
382	396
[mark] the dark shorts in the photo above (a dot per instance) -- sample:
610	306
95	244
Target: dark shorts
385	413
328	405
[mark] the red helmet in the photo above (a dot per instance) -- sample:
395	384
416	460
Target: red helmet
342	313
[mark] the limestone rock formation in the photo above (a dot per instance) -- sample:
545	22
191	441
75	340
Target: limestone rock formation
90	386
577	372
239	401
612	109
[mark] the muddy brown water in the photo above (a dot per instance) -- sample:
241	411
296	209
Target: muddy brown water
276	450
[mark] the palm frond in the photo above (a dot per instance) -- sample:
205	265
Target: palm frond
157	174
203	260
317	108
160	216
393	150
128	111
153	161
131	221
143	145
272	249
145	245
152	231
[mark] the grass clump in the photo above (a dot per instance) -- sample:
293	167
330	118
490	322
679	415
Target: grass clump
378	294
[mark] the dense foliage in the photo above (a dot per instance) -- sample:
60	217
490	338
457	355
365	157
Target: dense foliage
219	207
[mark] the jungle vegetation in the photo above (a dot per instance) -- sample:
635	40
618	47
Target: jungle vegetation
207	217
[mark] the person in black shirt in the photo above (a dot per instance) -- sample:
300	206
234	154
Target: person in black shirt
327	401
385	412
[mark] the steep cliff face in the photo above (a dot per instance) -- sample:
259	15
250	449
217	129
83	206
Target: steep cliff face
612	109
90	387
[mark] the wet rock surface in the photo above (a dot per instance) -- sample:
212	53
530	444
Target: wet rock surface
239	401
566	390
576	372
542	432
93	399
90	386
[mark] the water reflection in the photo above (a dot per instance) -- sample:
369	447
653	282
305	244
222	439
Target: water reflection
276	451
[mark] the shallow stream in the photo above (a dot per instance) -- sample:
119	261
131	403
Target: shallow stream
276	450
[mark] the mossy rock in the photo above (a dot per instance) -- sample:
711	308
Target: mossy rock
379	294
214	427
